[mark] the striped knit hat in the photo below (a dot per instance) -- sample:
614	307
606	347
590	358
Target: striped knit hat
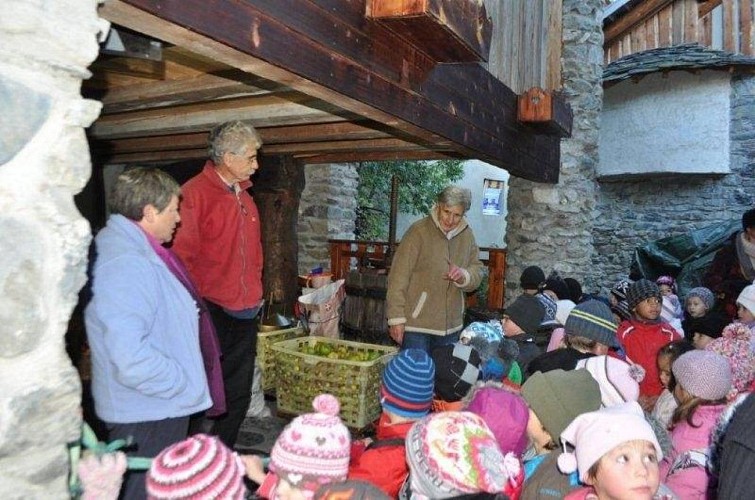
593	320
408	383
200	466
314	448
641	290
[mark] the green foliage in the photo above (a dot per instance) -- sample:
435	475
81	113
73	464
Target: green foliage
419	184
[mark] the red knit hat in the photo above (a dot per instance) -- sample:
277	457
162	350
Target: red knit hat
198	467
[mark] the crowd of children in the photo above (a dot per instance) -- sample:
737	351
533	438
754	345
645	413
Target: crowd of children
624	398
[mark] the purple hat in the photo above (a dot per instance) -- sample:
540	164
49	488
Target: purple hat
506	415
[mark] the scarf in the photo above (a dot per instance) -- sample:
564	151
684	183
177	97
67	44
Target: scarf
208	337
746	256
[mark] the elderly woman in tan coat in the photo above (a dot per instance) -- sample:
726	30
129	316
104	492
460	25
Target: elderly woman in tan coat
434	266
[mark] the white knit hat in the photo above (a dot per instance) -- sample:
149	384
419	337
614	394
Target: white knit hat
596	433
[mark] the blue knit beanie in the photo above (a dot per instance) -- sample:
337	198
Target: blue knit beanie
408	382
592	320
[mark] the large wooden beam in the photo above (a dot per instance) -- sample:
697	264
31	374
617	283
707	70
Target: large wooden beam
309	46
447	30
265	111
178	92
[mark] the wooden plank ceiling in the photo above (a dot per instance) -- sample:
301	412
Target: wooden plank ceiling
319	81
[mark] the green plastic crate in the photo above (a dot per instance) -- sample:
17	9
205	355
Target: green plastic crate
266	356
301	376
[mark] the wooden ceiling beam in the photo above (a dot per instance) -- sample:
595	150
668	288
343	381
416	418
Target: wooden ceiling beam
295	134
352	157
265	111
307	46
180	92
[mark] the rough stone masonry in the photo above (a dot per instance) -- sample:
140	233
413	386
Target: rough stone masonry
45	48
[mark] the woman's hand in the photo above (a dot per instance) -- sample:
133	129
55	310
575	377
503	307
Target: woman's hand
455	274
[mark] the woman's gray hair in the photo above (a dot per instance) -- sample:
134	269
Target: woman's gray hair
232	137
138	187
455	195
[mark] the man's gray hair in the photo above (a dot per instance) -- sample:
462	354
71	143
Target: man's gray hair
456	195
231	137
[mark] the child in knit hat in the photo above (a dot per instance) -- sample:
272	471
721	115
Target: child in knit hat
451	454
703	330
590	330
697	304
746	308
312	450
200	466
520	322
618	380
642	336
531	280
671	309
505	413
615	452
555	399
703	380
734	345
406	396
457	368
666	403
618	300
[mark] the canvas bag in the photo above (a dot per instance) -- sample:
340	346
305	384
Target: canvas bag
320	311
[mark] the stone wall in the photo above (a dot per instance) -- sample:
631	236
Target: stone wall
551	225
45	48
632	213
327	210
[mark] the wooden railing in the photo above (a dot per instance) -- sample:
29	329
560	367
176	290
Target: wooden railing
346	255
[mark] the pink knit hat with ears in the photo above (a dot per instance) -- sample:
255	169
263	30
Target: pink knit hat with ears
596	433
618	380
734	345
314	448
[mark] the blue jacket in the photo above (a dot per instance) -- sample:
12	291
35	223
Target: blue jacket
143	331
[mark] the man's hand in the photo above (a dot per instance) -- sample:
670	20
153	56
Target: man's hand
397	333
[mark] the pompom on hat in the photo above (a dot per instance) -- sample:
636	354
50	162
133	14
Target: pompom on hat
314	448
200	466
596	433
702	373
734	345
641	290
454	453
618	380
408	383
703	294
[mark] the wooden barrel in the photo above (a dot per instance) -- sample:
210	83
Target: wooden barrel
363	318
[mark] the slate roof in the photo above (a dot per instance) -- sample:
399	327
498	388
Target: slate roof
678	57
